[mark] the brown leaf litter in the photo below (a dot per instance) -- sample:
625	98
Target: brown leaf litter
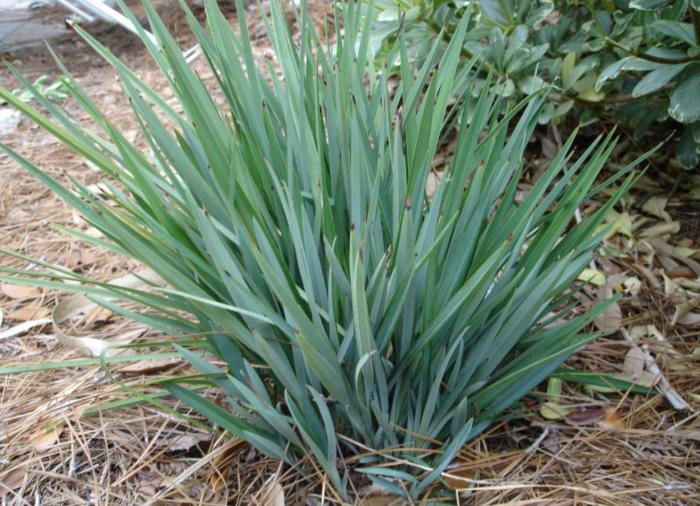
56	448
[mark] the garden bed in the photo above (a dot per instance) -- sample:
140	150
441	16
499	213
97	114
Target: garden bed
55	448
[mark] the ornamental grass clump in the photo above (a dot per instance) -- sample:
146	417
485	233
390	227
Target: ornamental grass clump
298	243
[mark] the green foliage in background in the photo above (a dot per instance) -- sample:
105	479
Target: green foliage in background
637	61
334	301
54	91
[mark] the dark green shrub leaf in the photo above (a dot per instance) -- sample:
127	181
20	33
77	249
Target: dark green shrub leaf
658	78
685	99
680	31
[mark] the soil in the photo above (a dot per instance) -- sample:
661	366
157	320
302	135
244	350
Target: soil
57	447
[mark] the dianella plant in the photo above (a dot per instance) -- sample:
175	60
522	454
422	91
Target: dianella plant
338	304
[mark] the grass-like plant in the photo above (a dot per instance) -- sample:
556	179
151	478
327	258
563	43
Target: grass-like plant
353	308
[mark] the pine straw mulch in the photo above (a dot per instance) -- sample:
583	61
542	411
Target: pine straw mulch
57	447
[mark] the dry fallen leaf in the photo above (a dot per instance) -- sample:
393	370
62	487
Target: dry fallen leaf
80	307
632	286
45	439
683	313
274	496
13	478
592	276
606	418
222	463
97	316
690	319
27	313
681	251
20	291
634	368
586	417
185	441
648	275
553	411
612	419
149	366
672	227
79	259
620	223
652	368
656	206
611	319
460	478
381	500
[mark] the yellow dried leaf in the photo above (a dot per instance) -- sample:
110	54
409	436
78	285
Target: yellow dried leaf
620	223
553	411
592	276
612	419
672	227
679	251
656	206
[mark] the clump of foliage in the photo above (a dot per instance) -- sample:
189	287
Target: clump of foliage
637	60
346	306
54	91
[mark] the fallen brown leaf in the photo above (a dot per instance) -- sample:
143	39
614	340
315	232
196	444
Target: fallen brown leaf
682	312
222	463
185	441
274	496
13	478
98	316
611	319
634	368
45	439
612	419
586	417
149	366
78	259
27	313
381	500
460	478
20	291
606	418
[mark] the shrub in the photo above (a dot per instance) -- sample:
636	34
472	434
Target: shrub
351	307
637	62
